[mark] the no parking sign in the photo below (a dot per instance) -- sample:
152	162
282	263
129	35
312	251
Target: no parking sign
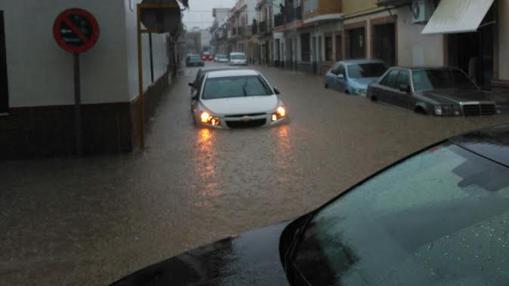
76	30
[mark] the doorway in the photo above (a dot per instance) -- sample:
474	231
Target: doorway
474	52
4	95
384	43
356	47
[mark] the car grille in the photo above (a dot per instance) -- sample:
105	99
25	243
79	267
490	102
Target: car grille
244	115
247	123
479	109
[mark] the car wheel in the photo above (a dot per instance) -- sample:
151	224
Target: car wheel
420	110
373	98
326	86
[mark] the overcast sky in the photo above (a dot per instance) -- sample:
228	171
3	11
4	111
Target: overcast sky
200	12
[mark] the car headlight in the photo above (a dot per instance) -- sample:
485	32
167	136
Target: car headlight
438	110
279	114
208	119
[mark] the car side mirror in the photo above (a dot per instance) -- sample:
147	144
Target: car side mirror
191	84
276	91
194	97
405	88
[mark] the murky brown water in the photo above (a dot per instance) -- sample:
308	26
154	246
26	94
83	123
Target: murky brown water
91	221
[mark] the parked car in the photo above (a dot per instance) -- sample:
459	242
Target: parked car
206	56
236	99
238	59
220	58
438	217
194	61
354	76
441	91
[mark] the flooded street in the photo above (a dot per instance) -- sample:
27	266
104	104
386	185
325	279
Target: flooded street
92	221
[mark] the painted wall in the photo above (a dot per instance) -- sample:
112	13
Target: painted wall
503	26
415	49
41	73
353	6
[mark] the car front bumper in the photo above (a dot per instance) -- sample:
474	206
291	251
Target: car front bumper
242	121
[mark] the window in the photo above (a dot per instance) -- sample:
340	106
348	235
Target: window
438	217
240	86
339	69
339	47
403	80
366	70
391	79
4	96
440	79
305	48
310	5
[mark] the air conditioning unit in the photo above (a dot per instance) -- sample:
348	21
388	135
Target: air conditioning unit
422	10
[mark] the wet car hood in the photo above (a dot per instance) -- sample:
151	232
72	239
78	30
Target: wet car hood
241	105
448	96
249	259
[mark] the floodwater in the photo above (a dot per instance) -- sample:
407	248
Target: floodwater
92	221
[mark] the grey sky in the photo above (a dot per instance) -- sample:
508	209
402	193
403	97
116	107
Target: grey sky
200	12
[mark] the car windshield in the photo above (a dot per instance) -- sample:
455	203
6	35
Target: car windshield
440	79
194	58
238	86
221	56
366	70
439	218
238	57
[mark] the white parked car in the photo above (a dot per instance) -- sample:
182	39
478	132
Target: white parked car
238	59
237	99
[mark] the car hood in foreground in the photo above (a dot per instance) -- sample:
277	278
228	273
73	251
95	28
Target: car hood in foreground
249	259
241	105
448	96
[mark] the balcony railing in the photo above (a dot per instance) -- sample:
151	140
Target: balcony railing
262	27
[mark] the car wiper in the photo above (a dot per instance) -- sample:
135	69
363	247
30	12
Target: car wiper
244	88
297	238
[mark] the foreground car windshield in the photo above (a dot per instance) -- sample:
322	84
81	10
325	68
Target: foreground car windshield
235	87
440	79
366	70
440	218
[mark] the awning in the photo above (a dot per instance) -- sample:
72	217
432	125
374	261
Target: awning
457	16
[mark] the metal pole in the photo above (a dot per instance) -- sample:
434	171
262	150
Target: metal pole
77	105
140	79
151	57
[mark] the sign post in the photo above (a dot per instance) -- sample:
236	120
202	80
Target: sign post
76	31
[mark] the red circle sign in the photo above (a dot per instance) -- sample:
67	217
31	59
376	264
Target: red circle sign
76	30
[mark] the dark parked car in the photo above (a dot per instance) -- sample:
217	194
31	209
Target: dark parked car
438	217
194	61
437	91
354	76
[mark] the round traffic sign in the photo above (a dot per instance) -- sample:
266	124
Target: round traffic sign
76	30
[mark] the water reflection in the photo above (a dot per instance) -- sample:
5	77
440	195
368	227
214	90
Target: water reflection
284	146
206	165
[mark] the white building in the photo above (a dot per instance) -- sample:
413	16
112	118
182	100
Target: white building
38	119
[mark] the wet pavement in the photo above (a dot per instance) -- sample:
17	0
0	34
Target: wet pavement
94	220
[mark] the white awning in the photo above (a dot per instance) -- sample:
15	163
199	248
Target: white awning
457	16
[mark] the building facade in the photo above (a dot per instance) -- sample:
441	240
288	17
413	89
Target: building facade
37	114
311	35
